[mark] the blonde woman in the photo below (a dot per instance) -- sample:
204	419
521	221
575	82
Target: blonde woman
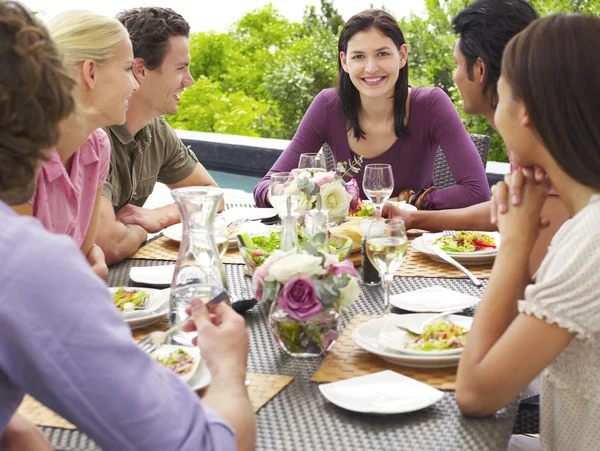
98	52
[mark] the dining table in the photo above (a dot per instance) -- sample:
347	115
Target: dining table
300	418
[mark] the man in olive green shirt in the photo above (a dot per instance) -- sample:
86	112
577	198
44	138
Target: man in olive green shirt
146	149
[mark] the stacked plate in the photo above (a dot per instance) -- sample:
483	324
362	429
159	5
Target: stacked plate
155	308
425	242
382	337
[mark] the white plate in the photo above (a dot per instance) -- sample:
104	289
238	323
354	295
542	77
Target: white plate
366	336
158	307
193	351
429	239
433	299
383	393
464	258
248	213
401	205
152	275
175	231
394	338
201	378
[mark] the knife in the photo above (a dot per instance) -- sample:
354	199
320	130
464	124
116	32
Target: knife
444	256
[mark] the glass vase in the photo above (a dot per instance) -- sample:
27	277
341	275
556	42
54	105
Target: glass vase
308	338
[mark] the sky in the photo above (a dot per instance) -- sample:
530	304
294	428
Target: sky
208	15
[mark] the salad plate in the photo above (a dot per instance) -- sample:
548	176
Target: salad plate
453	329
454	246
433	299
382	393
465	258
198	377
366	336
175	231
157	307
367	209
182	360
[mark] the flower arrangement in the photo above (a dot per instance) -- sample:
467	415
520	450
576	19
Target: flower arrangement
308	290
338	196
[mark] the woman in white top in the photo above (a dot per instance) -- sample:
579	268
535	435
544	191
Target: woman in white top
548	114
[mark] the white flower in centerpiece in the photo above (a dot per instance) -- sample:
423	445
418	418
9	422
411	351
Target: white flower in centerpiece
305	202
348	294
296	265
336	200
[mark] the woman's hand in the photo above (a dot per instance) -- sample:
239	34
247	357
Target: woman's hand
521	220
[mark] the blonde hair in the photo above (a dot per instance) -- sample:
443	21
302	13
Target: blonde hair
82	35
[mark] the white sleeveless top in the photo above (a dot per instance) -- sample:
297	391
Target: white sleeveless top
567	292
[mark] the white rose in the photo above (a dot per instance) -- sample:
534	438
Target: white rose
348	294
304	203
296	265
336	200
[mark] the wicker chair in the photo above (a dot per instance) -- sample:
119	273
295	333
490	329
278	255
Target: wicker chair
442	177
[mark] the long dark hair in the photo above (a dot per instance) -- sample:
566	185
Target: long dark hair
347	92
551	67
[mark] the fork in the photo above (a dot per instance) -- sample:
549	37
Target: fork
156	339
444	256
419	330
236	223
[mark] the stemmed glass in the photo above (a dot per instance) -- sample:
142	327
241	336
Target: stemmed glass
313	161
386	248
378	184
281	186
221	235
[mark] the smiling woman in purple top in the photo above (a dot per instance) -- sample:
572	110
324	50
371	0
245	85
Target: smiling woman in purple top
374	113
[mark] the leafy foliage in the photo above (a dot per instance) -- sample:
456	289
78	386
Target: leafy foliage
259	78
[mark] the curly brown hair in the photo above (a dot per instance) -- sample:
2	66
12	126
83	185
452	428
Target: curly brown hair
35	94
150	30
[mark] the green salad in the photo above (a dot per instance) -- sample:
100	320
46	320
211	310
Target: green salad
439	336
465	242
127	299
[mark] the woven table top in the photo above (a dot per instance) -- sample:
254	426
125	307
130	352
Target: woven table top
299	418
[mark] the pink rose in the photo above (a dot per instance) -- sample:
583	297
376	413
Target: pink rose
353	189
324	178
344	267
298	298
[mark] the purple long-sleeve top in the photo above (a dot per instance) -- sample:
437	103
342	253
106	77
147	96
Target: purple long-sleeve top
64	343
433	122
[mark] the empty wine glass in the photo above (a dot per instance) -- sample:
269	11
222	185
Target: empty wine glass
221	235
315	162
386	248
281	186
378	184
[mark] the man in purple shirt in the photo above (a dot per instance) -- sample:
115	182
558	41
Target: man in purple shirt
78	358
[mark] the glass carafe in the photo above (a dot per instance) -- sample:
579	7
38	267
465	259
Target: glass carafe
198	270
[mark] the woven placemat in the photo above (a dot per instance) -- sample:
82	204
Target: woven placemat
417	264
346	360
262	388
163	248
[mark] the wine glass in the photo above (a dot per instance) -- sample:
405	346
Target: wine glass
378	184
221	235
386	248
315	162
283	185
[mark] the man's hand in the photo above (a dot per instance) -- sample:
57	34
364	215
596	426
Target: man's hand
222	339
96	259
22	434
523	221
150	220
391	211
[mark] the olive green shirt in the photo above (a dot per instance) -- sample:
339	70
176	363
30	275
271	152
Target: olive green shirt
137	163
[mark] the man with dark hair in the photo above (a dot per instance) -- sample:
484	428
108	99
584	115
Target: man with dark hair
78	358
484	27
146	149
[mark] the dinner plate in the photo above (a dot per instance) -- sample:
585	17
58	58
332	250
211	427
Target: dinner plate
366	336
382	393
152	275
158	307
401	205
394	338
175	231
471	258
433	299
200	377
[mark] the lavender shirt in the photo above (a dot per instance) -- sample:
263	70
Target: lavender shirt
433	122
65	344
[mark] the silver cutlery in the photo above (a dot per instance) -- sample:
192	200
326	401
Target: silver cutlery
156	339
236	223
444	256
420	329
